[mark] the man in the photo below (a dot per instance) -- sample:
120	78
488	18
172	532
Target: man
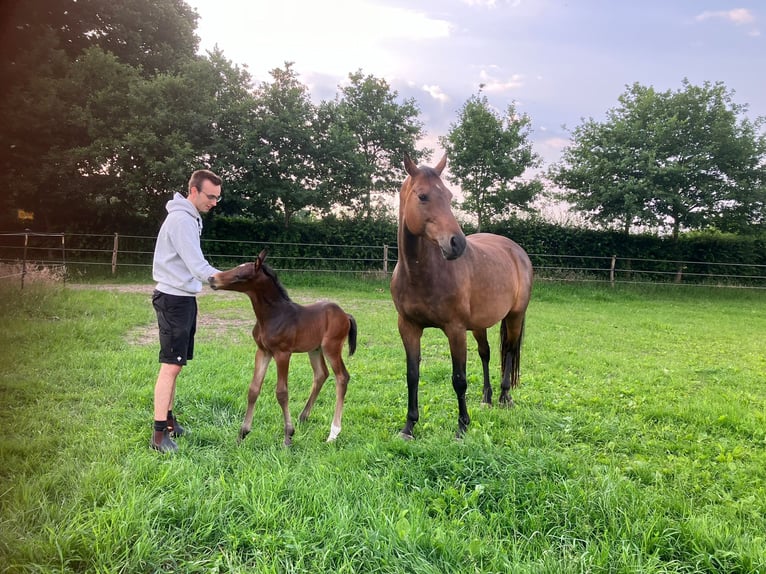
180	270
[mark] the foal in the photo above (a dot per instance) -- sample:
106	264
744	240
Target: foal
283	327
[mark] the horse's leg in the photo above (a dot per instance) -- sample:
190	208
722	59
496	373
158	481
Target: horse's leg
334	354
262	359
457	348
511	331
411	334
283	367
320	376
481	339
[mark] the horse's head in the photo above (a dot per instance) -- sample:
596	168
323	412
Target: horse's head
425	211
239	278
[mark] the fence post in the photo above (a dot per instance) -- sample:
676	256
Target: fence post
385	259
611	270
63	255
114	253
24	258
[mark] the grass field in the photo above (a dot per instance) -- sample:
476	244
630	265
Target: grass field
637	444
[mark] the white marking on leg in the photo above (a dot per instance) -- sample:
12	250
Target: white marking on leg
334	432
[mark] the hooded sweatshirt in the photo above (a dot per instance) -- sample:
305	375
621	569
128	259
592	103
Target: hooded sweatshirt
179	267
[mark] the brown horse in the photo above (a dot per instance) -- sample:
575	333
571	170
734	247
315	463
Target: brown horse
456	283
284	327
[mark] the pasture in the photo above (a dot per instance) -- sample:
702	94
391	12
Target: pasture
637	443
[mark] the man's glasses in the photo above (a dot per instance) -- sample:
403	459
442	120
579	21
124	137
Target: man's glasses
216	198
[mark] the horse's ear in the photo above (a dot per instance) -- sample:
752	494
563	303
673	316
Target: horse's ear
409	166
441	165
261	258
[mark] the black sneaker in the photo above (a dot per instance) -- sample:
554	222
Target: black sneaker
162	442
174	429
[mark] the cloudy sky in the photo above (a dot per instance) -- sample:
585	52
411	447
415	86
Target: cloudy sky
558	60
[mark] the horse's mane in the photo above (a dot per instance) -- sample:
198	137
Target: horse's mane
271	274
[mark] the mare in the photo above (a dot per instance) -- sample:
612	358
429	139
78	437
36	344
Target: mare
456	283
284	327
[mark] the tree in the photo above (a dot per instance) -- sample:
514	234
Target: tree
344	172
224	126
383	129
285	153
488	154
684	159
148	134
152	35
107	109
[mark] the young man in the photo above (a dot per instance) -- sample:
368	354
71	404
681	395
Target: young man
180	270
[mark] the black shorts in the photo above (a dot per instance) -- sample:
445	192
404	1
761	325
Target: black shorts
177	319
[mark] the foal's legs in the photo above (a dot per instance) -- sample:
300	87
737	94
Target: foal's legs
481	339
262	359
283	366
341	384
320	376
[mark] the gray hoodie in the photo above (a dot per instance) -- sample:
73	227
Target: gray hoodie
179	267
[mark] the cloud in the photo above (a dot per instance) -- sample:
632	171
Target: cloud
436	93
556	143
492	3
333	37
493	84
738	16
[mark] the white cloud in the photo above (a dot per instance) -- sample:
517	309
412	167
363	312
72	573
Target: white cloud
737	16
332	37
557	143
436	93
493	84
492	3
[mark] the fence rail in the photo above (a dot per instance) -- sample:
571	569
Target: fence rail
104	255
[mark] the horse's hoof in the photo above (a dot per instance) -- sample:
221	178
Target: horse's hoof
406	436
289	432
506	400
241	436
334	432
486	404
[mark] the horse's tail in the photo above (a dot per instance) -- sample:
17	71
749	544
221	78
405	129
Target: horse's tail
511	351
351	334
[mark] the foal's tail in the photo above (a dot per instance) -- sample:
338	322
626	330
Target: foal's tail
351	335
511	351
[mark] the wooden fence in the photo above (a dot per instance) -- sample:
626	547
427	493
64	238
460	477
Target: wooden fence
92	255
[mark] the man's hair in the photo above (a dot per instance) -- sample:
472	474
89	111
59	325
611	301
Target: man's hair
200	176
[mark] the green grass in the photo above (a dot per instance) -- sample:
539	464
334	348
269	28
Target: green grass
637	444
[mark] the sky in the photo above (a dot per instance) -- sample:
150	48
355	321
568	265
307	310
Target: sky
558	61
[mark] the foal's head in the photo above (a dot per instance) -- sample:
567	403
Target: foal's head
248	277
425	211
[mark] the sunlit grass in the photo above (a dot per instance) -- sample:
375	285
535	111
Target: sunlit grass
637	443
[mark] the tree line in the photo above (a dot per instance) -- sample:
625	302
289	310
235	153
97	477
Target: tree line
107	107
